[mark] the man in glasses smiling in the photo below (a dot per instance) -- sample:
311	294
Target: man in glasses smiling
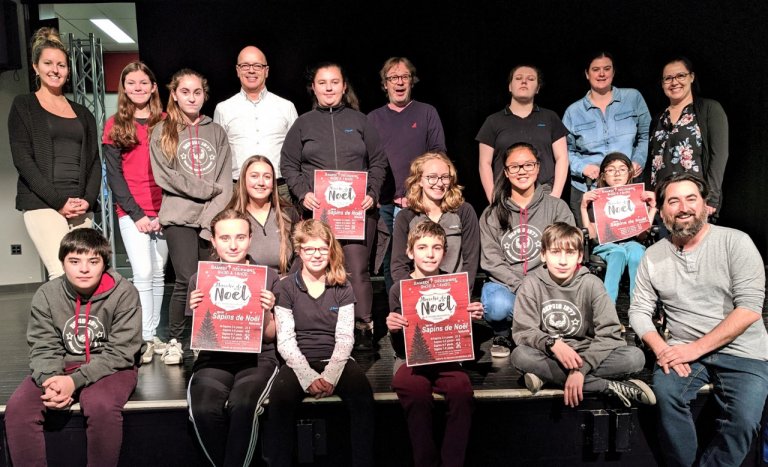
255	120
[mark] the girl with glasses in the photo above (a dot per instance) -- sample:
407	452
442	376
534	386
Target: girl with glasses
432	193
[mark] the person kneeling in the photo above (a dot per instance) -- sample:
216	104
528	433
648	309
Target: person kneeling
567	331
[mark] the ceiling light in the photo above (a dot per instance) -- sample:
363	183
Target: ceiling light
113	31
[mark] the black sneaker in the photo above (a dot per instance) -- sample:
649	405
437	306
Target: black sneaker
501	347
363	339
632	390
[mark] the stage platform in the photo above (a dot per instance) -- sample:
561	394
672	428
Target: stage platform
510	426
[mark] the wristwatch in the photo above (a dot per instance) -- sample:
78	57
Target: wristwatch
550	342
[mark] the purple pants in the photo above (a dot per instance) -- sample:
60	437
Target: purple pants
414	387
101	404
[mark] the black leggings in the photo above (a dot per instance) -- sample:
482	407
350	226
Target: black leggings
186	249
357	260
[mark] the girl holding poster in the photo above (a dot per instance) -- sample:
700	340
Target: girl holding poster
315	325
227	389
414	385
432	193
335	135
615	170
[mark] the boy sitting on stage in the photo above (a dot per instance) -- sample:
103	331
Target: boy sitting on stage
567	331
414	385
85	342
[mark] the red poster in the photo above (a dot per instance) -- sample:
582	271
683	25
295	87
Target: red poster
230	317
620	212
439	326
341	194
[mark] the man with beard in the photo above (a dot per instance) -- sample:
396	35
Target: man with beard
711	283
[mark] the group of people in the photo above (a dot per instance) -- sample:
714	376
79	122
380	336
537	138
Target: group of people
239	188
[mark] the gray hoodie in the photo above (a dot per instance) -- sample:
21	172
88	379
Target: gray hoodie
56	331
579	311
508	255
197	183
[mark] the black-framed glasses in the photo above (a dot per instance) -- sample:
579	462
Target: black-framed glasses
514	169
311	251
252	66
432	179
614	171
396	78
680	77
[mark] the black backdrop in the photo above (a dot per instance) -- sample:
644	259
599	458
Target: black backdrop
463	52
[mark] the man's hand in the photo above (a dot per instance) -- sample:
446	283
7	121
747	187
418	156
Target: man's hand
573	390
566	355
674	355
310	202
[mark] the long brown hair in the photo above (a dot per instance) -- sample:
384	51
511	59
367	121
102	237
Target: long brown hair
123	132
453	198
240	201
349	98
313	228
174	122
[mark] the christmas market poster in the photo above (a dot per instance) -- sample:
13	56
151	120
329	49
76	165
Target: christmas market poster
620	212
341	194
439	325
230	317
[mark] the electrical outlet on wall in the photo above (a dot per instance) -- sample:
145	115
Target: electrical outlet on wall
15	249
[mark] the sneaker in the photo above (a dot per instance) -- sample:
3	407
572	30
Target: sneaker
632	390
501	347
146	357
159	345
363	338
533	382
173	353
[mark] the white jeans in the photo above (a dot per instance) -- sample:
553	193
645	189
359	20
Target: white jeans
147	254
46	227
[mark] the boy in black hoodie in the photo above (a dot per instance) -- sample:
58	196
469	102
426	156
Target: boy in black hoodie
566	327
85	342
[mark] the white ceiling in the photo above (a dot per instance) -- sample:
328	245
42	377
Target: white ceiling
75	18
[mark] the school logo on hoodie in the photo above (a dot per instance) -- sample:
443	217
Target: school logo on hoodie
561	318
197	156
74	333
521	243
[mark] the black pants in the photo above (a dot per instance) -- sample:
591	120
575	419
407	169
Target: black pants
285	397
357	261
186	248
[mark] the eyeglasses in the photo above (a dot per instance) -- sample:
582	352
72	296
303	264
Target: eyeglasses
620	171
514	169
395	78
311	251
432	179
252	66
680	77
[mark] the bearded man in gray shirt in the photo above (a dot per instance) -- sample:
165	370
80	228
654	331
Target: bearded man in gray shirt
711	283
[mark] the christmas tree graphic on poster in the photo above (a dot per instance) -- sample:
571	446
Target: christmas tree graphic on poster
341	194
439	325
230	316
620	212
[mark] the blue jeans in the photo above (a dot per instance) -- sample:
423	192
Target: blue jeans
388	212
740	390
498	305
617	257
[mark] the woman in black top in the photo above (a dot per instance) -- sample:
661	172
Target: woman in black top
54	144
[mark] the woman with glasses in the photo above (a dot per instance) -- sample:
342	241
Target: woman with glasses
510	237
690	135
523	120
608	119
432	193
335	135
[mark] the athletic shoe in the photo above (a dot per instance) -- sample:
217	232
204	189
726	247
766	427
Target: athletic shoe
533	382
159	345
173	354
146	357
632	390
501	347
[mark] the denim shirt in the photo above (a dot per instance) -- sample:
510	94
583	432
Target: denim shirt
592	135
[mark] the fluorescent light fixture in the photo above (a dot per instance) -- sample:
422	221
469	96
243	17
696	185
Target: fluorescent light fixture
113	31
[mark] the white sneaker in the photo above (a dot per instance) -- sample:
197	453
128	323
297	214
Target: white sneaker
533	382
146	357
159	345
173	354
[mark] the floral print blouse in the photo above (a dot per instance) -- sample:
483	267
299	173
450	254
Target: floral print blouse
676	148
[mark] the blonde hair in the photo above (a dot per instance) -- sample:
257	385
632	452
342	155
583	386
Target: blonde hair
453	198
46	38
123	132
240	200
174	122
313	228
